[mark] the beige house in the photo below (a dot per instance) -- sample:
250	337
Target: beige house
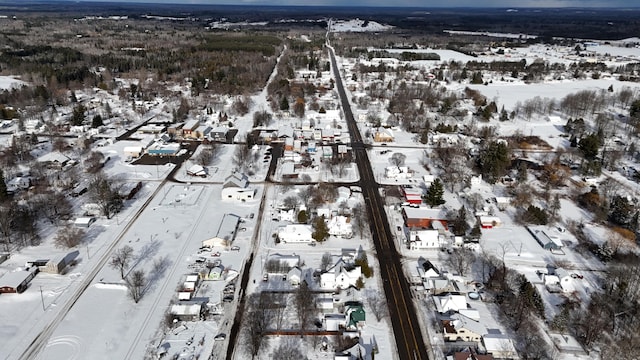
461	328
383	135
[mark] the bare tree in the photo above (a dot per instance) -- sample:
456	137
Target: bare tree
279	303
359	217
121	259
377	304
291	202
207	154
241	157
52	205
289	349
69	237
326	261
397	159
136	283
305	305
6	218
254	326
460	260
103	192
94	162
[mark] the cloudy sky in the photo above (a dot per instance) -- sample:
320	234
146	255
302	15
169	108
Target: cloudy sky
413	3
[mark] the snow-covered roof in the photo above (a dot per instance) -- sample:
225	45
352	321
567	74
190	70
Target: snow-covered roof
54	157
450	302
236	180
424	213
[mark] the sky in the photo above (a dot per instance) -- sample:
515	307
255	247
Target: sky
412	3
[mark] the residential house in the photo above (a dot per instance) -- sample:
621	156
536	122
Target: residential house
355	315
54	160
450	303
548	242
427	270
340	226
356	352
296	233
489	222
561	278
420	239
499	345
346	295
18	183
197	170
469	354
236	187
294	276
398	172
383	135
461	328
340	276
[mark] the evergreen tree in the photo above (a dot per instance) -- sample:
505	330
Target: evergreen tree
435	193
3	188
320	229
460	225
284	103
494	160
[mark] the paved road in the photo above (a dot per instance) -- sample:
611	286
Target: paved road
404	320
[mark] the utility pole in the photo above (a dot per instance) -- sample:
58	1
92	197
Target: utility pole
42	298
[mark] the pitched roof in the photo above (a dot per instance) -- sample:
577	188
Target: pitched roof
236	180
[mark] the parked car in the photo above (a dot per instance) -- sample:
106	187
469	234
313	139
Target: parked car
235	248
216	254
220	337
227	298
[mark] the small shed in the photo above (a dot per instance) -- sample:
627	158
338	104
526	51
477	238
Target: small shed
84	222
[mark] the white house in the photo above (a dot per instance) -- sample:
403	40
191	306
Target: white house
565	280
197	170
340	226
427	270
424	239
397	172
499	345
296	233
236	187
294	276
340	276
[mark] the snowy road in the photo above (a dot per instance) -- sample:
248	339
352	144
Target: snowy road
36	346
